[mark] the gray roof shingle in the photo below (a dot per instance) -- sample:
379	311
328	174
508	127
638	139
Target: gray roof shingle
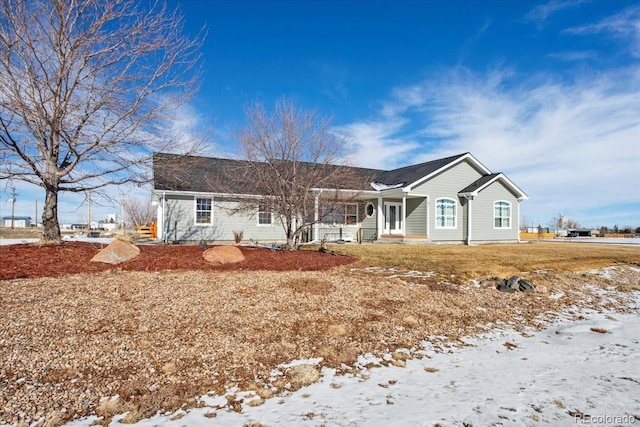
215	175
173	172
478	183
410	174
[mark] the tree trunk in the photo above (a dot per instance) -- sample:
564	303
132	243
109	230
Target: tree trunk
51	228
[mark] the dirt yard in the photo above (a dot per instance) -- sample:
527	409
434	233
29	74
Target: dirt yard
165	328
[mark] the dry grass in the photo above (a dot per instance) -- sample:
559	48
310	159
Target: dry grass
503	260
600	330
20	233
303	375
157	340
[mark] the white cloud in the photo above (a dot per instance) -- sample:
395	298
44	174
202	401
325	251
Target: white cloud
625	25
374	143
573	147
579	55
541	13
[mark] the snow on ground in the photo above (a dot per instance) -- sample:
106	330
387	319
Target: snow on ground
587	368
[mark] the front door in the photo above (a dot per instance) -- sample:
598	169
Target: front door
393	218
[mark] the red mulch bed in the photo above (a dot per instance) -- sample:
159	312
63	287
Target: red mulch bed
29	260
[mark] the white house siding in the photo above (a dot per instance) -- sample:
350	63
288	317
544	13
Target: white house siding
483	221
180	222
447	184
416	216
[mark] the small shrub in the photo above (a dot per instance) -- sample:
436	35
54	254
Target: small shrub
238	235
303	375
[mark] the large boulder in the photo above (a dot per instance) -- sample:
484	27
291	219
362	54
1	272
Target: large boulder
223	255
116	252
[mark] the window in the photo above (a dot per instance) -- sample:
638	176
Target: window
370	210
445	213
502	214
350	213
265	216
339	213
204	211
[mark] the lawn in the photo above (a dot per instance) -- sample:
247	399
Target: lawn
469	262
159	339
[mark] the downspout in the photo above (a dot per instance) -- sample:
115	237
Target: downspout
469	216
428	215
518	225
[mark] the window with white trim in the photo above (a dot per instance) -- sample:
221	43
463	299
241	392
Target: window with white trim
501	214
370	209
445	213
350	213
339	213
265	214
204	211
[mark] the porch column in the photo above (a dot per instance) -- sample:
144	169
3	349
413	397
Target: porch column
469	216
404	213
380	217
316	217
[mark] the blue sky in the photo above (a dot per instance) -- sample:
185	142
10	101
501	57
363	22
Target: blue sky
546	92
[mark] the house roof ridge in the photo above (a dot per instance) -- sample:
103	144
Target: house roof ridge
227	159
442	159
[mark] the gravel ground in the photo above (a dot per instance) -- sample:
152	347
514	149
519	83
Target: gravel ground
159	339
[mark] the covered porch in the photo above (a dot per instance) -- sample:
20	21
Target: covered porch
399	217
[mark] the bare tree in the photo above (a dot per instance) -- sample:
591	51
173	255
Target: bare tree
86	88
139	212
291	159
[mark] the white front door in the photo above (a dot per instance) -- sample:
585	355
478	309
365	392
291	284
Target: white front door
393	218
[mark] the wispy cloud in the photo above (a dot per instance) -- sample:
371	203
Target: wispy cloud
377	144
625	24
333	79
472	42
539	14
571	146
578	55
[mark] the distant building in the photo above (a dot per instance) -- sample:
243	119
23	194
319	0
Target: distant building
18	221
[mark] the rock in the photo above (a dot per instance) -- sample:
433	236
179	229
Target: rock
512	282
223	255
504	287
117	252
525	285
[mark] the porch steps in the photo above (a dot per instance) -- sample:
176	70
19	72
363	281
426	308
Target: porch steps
406	239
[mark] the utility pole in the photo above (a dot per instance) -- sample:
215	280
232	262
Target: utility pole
13	206
35	218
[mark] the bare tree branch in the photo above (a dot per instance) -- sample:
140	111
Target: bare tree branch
139	212
85	88
294	162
